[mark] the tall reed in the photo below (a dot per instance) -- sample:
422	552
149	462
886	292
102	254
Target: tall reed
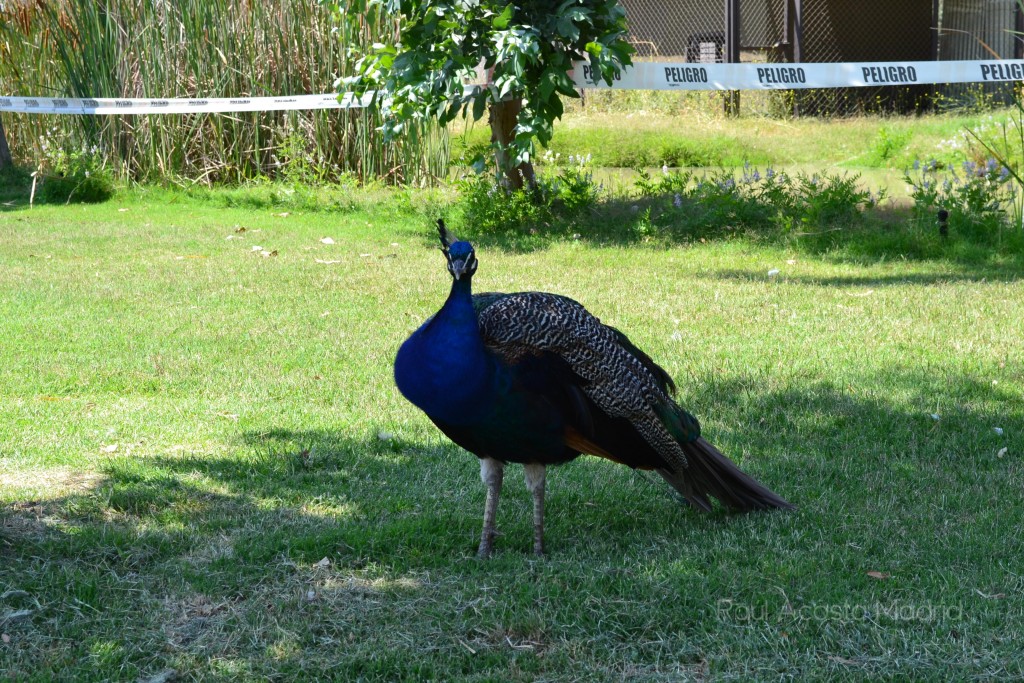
200	48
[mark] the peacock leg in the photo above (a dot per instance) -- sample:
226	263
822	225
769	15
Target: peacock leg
535	475
491	472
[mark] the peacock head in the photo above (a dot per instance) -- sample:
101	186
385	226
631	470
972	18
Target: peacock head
460	255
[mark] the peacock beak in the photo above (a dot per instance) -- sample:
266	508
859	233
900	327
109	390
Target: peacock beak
458	268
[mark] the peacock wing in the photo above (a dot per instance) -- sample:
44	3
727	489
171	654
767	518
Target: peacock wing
622	381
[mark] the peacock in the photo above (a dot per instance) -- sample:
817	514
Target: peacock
534	378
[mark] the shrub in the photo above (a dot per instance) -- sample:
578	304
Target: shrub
756	201
975	197
889	144
74	176
562	194
86	189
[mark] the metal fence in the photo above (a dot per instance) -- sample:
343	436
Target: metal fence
979	30
829	31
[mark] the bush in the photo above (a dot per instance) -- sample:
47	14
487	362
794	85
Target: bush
670	204
83	188
74	176
975	198
755	201
561	195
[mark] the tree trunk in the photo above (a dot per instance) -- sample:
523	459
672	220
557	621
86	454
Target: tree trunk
503	116
5	151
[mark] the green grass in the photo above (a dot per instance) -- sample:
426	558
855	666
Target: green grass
698	136
188	428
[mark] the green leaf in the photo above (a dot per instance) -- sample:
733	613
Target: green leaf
479	164
564	85
507	83
547	85
556	108
479	104
501	21
567	29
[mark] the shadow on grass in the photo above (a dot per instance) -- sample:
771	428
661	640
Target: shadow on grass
15	188
883	234
193	561
372	500
980	274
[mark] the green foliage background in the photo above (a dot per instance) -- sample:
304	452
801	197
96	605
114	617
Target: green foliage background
527	49
200	48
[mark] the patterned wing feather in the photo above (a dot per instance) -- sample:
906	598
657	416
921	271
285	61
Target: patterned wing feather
620	379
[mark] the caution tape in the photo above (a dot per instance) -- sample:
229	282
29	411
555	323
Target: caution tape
101	105
691	76
640	76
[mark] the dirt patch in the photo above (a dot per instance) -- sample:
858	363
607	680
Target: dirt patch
194	621
20	522
49	483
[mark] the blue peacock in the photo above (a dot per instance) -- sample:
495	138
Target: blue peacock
534	378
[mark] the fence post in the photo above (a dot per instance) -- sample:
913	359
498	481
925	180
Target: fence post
732	52
795	29
5	151
1018	26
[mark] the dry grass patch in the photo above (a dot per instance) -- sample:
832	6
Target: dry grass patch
47	483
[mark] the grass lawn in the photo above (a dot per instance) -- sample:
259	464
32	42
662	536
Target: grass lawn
680	130
205	466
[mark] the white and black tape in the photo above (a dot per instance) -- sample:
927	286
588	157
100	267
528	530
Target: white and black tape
691	76
100	106
640	76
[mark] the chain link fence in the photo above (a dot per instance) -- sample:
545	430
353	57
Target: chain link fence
786	31
687	30
877	31
979	30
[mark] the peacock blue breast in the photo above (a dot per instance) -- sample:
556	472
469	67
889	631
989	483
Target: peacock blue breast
444	369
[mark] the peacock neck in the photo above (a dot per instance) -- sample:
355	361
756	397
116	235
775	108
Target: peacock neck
444	367
458	308
456	329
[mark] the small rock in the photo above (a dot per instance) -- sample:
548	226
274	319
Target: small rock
998	431
773	272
